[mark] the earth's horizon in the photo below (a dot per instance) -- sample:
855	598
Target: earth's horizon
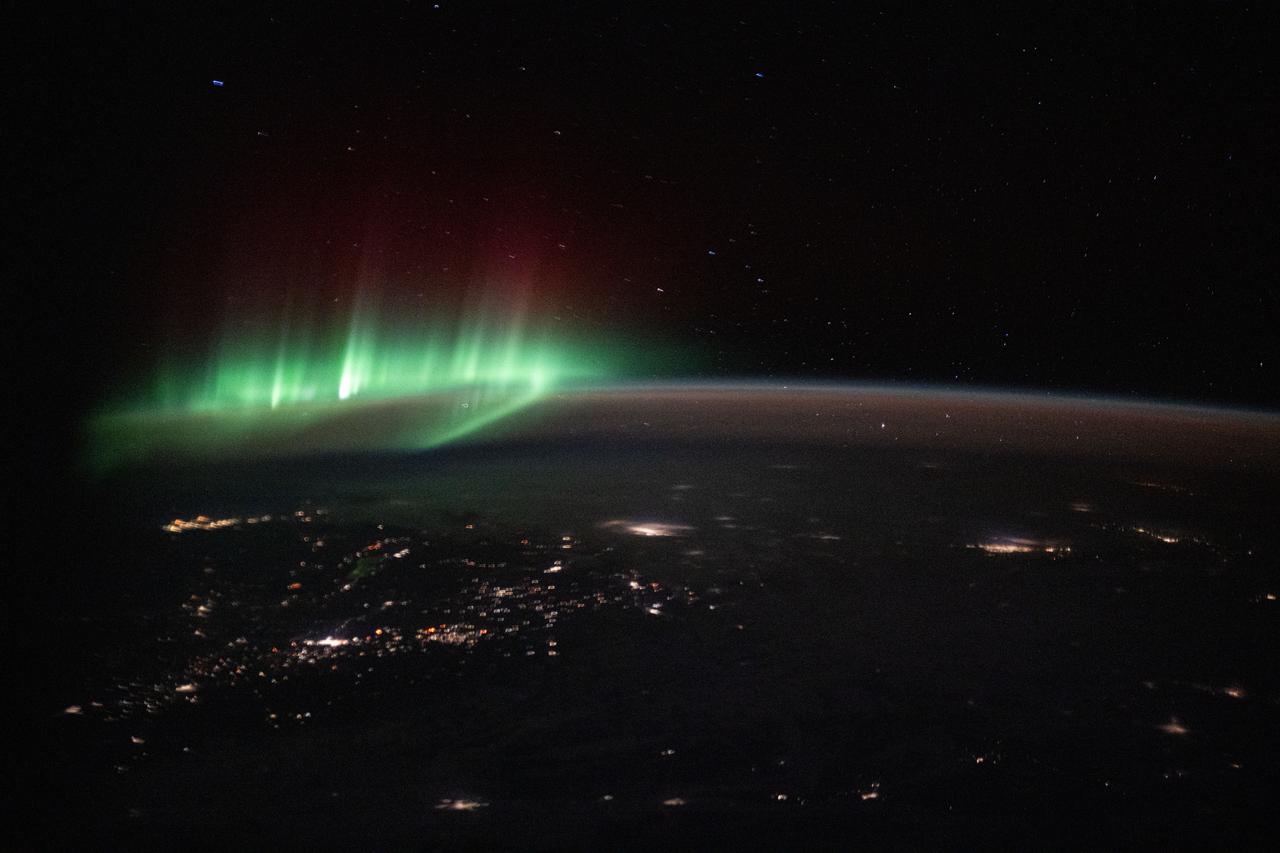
685	615
840	413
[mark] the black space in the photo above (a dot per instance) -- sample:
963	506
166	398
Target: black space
1062	199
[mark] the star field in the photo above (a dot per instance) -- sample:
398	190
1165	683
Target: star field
1047	200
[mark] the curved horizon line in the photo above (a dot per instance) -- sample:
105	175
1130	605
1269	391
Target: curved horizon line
906	387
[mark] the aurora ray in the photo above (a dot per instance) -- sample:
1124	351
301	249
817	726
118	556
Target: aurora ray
373	380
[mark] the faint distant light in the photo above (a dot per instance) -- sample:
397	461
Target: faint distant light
460	805
218	83
760	75
674	801
1174	727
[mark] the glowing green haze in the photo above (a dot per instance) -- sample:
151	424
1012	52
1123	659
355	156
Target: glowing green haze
375	380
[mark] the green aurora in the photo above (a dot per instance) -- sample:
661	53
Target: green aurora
374	380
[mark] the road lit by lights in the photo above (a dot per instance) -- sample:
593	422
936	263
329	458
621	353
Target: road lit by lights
1159	537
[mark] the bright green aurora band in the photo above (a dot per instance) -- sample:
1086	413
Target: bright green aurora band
376	381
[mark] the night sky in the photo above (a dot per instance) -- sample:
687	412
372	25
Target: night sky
1062	200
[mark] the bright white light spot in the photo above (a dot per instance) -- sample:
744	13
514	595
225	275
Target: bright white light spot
649	528
1014	545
